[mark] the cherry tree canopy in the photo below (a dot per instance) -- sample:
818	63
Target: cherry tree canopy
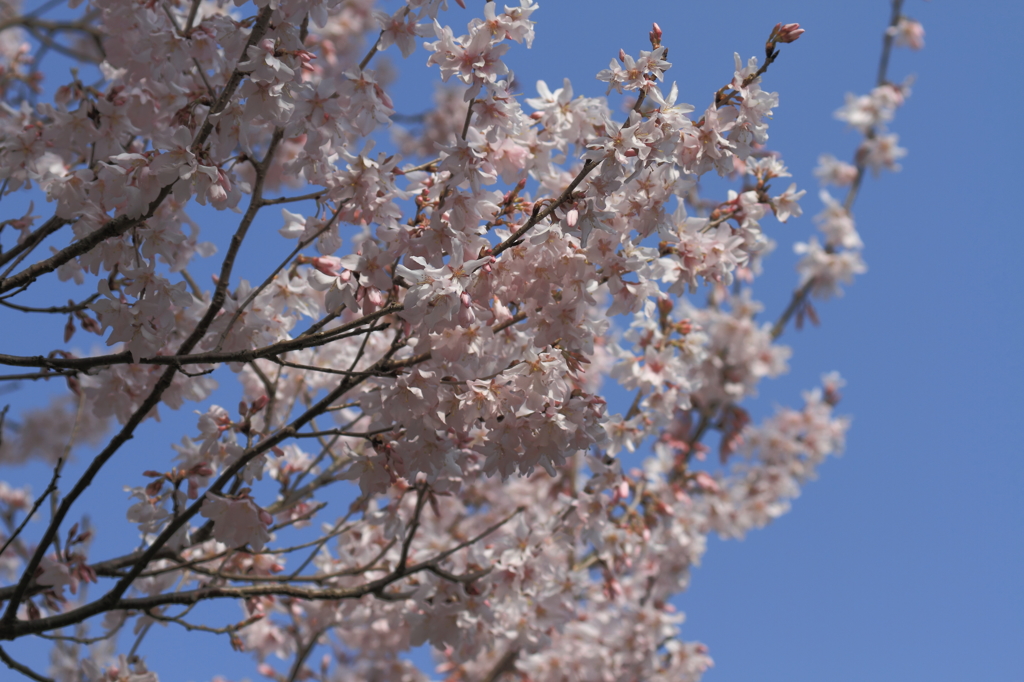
430	348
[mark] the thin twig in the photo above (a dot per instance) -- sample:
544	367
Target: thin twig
288	200
538	216
58	309
421	499
348	434
303	654
270	278
23	669
35	506
376	44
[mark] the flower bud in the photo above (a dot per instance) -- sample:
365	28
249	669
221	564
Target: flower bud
655	36
571	217
785	33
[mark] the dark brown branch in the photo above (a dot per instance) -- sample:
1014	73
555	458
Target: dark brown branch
191	20
41	233
421	499
182	359
375	587
114	228
11	628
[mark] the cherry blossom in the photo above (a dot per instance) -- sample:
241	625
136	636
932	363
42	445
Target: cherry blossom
237	521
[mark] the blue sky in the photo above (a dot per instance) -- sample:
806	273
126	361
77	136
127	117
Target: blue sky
903	560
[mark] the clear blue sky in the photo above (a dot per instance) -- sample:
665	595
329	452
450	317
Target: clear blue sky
903	560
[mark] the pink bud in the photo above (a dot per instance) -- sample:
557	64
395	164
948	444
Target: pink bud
706	482
655	36
622	55
786	33
466	300
375	295
385	100
571	217
623	491
329	265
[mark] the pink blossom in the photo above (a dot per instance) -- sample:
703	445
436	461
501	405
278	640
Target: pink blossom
908	33
237	521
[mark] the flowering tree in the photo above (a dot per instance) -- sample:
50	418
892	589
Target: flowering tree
441	375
